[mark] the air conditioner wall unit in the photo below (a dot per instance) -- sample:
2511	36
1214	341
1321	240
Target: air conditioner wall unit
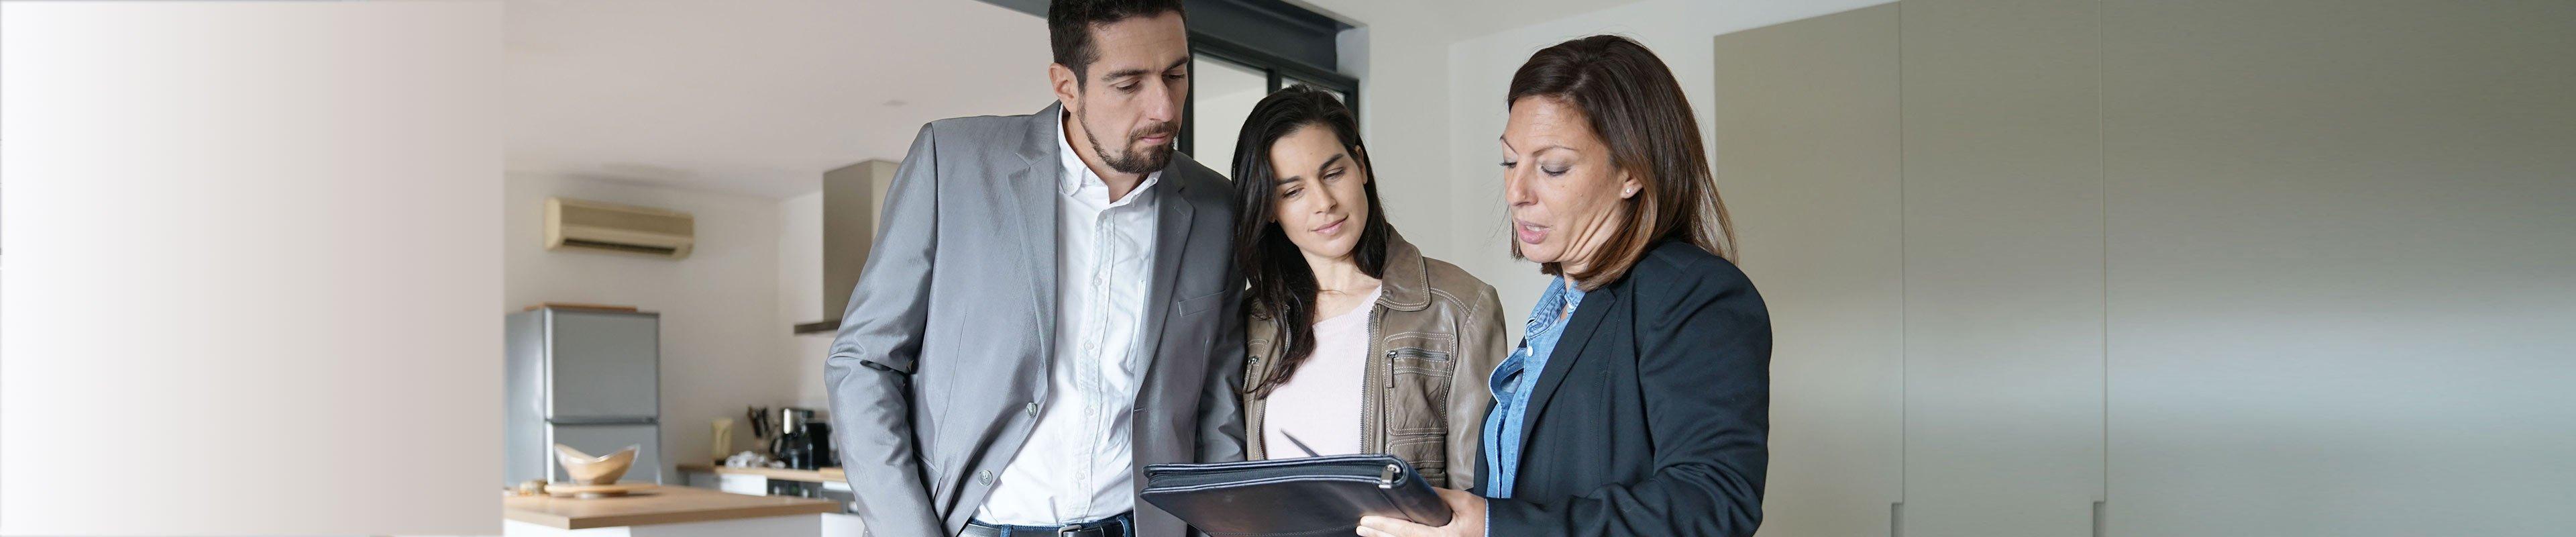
609	227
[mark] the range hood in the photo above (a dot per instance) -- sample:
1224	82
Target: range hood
850	198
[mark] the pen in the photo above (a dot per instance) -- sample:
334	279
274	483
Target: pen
1301	445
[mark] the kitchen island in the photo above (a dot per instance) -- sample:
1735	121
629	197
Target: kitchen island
757	480
667	511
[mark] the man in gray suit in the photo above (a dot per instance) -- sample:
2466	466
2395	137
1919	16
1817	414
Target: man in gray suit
1050	305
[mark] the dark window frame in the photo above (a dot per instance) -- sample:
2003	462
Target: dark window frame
1279	70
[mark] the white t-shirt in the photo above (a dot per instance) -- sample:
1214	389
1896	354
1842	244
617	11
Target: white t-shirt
1320	403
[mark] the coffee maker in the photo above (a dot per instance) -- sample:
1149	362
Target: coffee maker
803	441
818	441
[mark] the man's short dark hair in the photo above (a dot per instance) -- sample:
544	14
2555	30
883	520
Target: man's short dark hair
1069	25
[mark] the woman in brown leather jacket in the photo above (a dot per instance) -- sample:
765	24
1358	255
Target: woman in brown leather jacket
1362	344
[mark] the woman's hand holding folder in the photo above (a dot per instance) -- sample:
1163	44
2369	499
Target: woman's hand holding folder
1466	519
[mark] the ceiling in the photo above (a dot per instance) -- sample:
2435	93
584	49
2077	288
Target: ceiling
761	97
755	98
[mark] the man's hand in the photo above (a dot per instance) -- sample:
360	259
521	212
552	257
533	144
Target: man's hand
1466	519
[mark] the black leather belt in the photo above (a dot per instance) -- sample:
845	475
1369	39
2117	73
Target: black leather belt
1116	526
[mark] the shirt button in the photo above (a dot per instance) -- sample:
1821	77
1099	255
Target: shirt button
1033	409
985	476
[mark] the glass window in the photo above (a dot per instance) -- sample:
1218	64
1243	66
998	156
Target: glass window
1222	94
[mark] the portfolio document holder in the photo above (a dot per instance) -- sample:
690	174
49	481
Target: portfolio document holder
1292	497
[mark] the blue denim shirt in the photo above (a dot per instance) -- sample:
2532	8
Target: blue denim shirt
1516	377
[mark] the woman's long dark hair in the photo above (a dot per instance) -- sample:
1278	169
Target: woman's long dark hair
1283	287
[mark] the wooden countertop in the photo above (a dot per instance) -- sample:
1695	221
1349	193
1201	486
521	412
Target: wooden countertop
668	504
825	475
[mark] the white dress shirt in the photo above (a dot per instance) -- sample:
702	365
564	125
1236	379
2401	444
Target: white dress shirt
1075	466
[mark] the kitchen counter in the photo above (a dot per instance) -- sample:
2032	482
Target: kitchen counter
825	475
672	510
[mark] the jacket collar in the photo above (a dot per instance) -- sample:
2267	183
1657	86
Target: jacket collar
1043	136
1407	282
1405	287
1033	192
1588	316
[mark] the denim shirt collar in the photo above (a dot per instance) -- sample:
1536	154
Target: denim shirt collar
1515	379
1557	305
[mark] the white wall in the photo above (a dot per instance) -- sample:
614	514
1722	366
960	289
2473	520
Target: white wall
1397	58
800	293
724	340
252	283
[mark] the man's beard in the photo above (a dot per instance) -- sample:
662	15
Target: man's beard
1137	162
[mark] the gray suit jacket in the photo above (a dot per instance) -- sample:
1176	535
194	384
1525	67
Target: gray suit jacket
943	351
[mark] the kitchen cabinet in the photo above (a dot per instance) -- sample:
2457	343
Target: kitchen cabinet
2343	262
1919	194
2003	269
1806	134
2164	268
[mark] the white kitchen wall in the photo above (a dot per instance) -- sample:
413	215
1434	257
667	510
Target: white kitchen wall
724	343
800	293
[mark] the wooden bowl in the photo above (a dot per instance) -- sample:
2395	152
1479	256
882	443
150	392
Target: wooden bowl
564	490
601	470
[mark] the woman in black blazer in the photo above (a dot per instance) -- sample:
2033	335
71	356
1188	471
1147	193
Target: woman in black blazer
1638	401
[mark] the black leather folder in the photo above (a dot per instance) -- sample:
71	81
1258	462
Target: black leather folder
1292	497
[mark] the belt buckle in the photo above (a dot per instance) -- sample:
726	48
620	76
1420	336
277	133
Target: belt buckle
1071	531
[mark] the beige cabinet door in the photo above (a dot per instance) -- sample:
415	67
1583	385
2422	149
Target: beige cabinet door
2003	268
1807	157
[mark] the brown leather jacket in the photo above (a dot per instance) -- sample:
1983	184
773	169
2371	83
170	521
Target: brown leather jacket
1435	334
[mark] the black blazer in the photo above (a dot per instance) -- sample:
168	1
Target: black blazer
1653	414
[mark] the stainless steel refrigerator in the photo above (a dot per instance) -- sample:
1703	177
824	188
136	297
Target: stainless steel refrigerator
590	379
